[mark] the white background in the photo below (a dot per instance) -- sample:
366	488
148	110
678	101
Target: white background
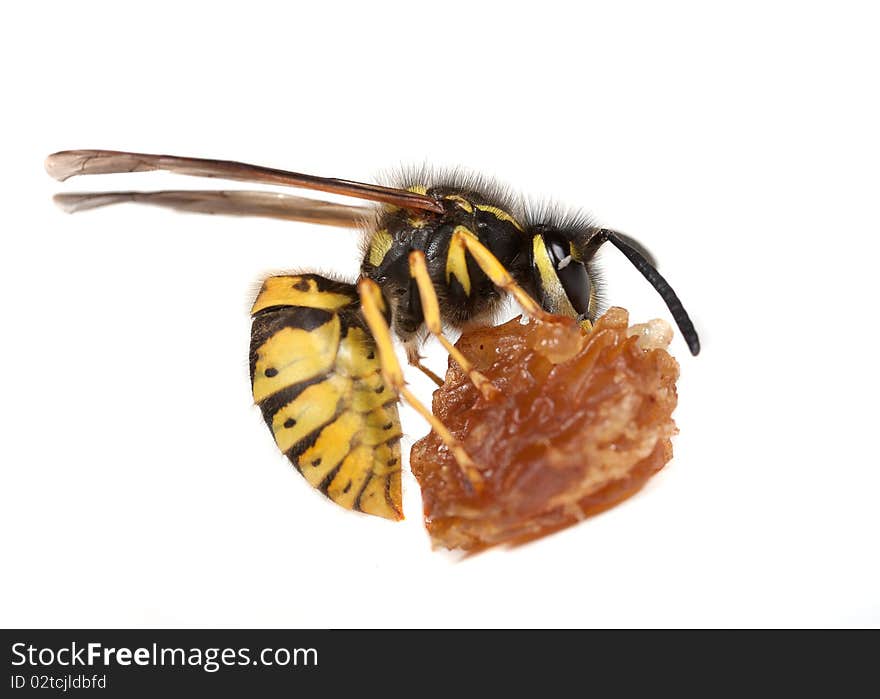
140	486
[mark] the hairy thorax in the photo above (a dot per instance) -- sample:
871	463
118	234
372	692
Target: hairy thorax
466	296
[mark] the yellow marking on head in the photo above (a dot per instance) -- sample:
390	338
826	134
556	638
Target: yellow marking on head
298	291
550	284
456	260
380	244
461	202
418	189
292	355
575	252
314	407
500	214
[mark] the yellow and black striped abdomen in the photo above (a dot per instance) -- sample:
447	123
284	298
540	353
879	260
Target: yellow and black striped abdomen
316	376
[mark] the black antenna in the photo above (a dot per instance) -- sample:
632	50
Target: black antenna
637	257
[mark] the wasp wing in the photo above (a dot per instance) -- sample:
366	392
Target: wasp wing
316	377
65	164
229	202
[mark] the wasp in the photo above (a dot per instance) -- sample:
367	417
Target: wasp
440	252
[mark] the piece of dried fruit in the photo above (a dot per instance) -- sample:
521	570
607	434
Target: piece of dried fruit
582	421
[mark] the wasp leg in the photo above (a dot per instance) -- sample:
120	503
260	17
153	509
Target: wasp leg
415	359
372	305
418	270
430	374
497	273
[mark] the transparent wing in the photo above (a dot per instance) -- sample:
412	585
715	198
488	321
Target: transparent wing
70	163
228	202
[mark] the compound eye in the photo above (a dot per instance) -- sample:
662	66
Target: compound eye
572	274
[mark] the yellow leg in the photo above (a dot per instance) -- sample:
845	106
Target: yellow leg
372	304
496	272
418	270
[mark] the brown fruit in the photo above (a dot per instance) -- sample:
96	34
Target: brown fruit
581	422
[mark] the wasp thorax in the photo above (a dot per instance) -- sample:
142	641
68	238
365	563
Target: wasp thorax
463	291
